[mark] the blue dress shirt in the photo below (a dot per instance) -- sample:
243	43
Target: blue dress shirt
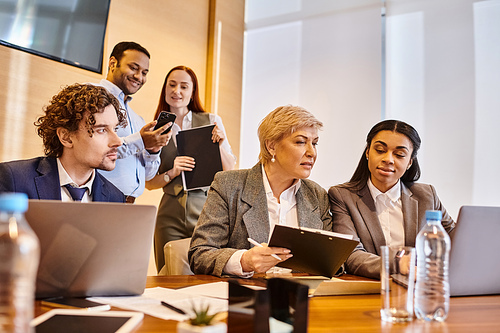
135	164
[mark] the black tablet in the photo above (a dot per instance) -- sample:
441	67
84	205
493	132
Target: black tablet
81	321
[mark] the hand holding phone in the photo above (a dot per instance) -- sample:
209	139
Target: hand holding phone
165	118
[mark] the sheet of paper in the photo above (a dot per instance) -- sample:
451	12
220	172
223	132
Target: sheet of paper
323	286
149	303
216	290
346	287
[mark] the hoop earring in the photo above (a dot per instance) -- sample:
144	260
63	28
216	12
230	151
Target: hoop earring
273	159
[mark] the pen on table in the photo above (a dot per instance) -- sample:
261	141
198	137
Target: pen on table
254	242
171	307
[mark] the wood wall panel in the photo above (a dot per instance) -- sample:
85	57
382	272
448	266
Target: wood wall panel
174	32
224	76
27	85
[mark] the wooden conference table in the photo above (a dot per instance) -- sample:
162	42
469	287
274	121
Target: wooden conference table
353	313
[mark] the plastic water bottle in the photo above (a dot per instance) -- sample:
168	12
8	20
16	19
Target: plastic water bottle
432	290
19	257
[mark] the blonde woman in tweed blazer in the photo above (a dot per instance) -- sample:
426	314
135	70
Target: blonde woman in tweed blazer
237	203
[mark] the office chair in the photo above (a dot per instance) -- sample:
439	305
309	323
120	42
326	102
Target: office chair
176	258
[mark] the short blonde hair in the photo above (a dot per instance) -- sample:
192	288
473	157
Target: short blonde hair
281	122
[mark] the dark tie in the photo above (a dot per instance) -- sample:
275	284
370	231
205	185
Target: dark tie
76	192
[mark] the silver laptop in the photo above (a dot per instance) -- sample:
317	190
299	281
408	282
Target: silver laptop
91	249
474	262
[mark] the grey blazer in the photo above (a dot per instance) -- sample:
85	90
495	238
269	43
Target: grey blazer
236	208
354	213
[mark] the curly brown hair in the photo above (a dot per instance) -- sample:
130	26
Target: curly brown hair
71	105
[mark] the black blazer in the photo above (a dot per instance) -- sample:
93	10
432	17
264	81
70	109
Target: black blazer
39	179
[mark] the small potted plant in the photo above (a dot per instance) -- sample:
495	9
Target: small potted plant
202	322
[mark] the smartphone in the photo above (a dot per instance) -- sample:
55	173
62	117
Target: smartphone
164	118
70	302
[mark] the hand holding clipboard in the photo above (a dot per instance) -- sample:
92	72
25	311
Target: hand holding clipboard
314	251
197	143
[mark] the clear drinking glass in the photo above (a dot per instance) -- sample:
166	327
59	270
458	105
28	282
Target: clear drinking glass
397	279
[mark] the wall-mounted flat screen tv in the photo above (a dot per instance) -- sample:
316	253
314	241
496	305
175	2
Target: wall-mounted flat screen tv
69	31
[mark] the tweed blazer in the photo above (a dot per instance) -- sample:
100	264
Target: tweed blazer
236	208
39	179
354	213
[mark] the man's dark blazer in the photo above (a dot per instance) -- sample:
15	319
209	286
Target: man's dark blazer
39	179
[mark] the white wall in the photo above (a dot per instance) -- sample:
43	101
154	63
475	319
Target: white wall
487	102
442	76
442	69
324	56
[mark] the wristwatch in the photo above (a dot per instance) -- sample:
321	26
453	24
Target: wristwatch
166	177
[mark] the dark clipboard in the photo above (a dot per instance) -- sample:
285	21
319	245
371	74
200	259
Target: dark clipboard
314	252
197	143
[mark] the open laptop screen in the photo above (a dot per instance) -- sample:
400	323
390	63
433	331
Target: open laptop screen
474	262
91	249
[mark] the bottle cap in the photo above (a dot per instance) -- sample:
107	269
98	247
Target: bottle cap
433	215
13	202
